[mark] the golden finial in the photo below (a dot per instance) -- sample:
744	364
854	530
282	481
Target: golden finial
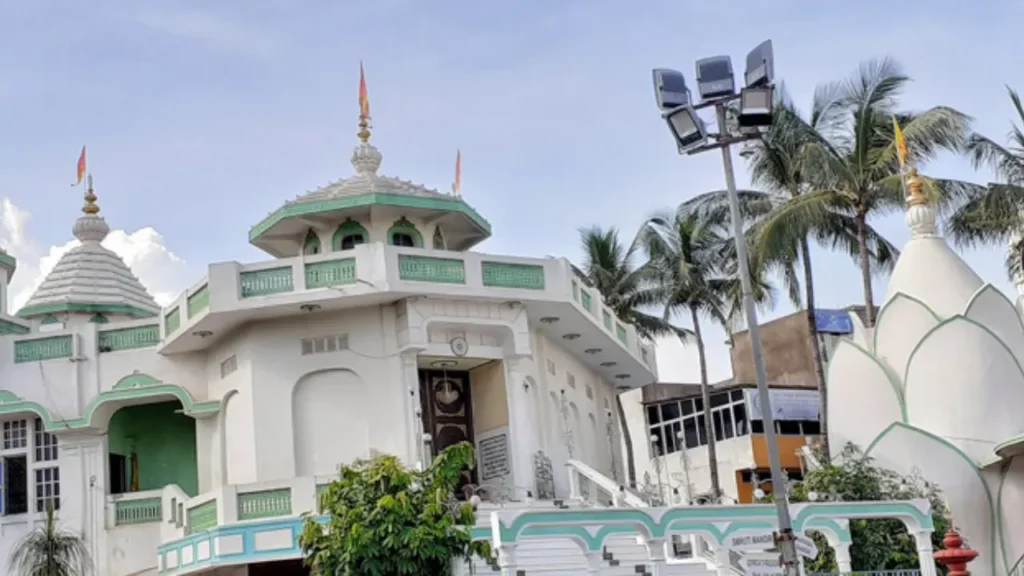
915	189
364	108
948	513
90	199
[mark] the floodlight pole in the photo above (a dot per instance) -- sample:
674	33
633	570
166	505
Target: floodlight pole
786	539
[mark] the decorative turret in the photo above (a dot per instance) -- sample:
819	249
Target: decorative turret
956	556
369	207
90	280
921	216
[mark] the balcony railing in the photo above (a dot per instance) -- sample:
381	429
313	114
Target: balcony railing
232	286
135	508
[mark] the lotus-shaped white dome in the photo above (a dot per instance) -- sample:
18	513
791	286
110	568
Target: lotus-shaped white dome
936	386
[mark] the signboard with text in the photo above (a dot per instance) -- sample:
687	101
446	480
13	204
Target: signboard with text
786	404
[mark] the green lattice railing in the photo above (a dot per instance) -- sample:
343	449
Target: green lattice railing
620	331
607	319
129	338
331	273
506	275
265	504
198	300
172	321
428	269
264	282
585	300
202	517
42	349
127	512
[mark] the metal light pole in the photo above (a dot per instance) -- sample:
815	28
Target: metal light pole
714	75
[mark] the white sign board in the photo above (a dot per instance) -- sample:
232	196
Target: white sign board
493	455
806	547
762	564
746	541
786	404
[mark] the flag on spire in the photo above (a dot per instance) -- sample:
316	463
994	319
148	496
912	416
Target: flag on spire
457	187
364	100
81	167
901	145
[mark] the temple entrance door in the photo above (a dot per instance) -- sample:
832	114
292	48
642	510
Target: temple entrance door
447	412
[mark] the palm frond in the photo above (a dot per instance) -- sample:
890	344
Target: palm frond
49	551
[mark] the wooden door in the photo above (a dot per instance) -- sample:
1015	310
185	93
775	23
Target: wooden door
447	411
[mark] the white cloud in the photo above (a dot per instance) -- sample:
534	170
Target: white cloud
207	27
678	363
161	271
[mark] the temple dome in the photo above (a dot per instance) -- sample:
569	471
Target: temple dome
91	279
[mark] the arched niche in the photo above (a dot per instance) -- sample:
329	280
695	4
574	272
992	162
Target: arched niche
349	235
311	245
331	418
403	228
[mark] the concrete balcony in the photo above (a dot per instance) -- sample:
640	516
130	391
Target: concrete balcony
556	299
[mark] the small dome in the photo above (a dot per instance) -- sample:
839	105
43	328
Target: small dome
90	278
930	271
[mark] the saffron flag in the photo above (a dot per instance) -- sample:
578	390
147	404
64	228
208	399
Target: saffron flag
901	146
81	167
458	172
364	100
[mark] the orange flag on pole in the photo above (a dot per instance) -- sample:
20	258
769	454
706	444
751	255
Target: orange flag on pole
901	145
457	187
364	100
81	167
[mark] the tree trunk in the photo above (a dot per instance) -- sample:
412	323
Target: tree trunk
705	395
865	269
627	441
812	331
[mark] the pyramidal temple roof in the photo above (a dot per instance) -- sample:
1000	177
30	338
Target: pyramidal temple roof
90	278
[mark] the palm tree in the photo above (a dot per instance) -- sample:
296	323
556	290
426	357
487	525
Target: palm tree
851	165
693	261
778	167
609	267
50	551
995	214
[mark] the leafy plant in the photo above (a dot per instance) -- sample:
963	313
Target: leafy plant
384	519
879	543
49	551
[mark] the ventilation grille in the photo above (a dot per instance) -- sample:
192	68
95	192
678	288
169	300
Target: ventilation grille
228	366
324	344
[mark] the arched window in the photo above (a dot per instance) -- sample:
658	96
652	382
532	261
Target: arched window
438	239
312	243
404	233
349	235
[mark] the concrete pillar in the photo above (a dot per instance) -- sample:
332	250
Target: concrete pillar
843	562
523	431
595	561
923	539
507	559
656	552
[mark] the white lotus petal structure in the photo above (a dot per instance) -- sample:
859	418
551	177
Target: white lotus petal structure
937	387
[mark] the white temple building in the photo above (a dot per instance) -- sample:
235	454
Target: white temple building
190	438
937	388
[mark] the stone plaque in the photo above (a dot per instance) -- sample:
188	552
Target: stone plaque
493	457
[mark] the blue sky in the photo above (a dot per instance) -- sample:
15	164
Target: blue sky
202	117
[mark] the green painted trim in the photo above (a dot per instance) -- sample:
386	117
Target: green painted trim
896	388
454	204
991	288
198	301
312	241
132	387
8	260
98	318
877	510
8	327
42	349
888	305
49	319
999	514
51	308
965	457
172	321
947	321
346	228
819	524
403	226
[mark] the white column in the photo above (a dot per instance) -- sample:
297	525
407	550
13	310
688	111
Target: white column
416	453
507	559
522	431
83	467
656	552
923	538
595	560
843	562
722	565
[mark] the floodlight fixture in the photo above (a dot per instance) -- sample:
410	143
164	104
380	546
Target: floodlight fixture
687	127
760	66
755	107
715	78
670	88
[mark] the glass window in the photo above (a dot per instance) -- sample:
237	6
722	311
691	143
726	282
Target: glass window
757	426
788	427
736	395
670	411
402	239
716	418
46	443
653	415
47	488
687	407
720	399
702	429
727	429
658	443
351	241
739	414
811	427
698	404
690	433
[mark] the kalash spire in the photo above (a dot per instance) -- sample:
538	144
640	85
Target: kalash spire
365	158
90	281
